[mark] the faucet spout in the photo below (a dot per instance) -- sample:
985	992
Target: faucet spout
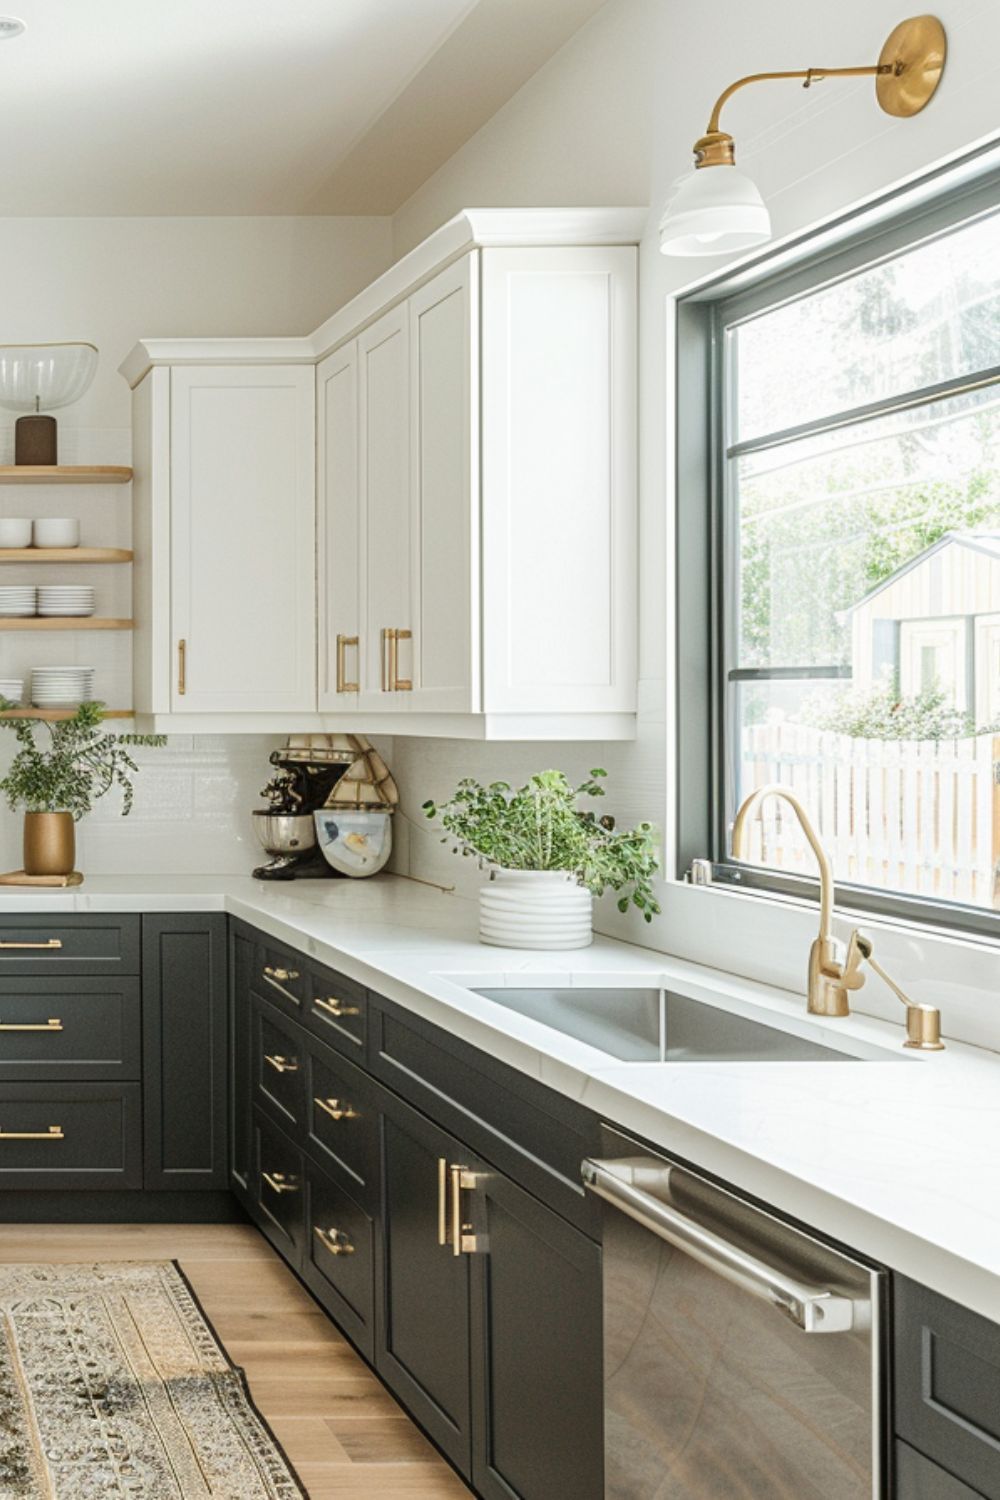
830	975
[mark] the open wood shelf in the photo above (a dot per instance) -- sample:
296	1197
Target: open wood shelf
66	554
53	715
62	622
64	474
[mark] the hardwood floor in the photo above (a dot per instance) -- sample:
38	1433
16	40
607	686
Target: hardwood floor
344	1433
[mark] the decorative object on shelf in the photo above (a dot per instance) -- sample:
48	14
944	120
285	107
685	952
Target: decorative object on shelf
57	784
33	376
538	830
317	772
56	531
719	212
15	531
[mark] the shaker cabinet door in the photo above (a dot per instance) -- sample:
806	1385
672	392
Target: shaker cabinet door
242	539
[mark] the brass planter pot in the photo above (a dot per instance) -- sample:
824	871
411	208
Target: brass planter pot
49	843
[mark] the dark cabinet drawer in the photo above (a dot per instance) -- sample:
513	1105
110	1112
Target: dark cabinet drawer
342	1119
281	977
535	1135
278	1052
338	1257
70	944
918	1479
947	1385
278	1196
85	1135
61	1027
337	1011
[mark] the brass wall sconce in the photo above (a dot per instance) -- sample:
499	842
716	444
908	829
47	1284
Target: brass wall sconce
714	213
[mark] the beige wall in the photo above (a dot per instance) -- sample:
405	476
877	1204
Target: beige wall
611	120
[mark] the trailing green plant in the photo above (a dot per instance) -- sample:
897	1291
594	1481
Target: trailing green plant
539	826
77	765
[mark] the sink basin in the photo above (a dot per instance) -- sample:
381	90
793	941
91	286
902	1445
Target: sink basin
653	1025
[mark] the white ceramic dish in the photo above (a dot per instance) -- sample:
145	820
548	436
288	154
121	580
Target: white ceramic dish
354	842
15	531
56	531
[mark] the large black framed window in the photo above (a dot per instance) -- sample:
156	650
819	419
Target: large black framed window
838	555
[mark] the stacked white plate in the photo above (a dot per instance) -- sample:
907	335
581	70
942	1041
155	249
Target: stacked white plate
17	601
12	688
61	687
65	599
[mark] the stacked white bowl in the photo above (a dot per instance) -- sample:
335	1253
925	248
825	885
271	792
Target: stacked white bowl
61	687
17	601
12	688
65	599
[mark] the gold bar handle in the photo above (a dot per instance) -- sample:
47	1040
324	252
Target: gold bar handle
54	1133
343	641
51	1025
182	648
334	1240
463	1240
49	945
273	977
334	1007
442	1200
336	1110
279	1183
384	664
400	684
282	1064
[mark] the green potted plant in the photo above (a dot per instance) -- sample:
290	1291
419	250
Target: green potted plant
547	858
56	782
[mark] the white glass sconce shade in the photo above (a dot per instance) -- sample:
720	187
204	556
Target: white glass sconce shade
714	211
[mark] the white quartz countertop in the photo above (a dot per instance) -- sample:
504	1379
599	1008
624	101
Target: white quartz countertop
898	1159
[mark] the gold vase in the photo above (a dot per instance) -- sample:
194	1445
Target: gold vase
49	843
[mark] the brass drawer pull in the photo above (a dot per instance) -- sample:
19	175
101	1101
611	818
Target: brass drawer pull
463	1240
334	1240
48	945
54	1133
397	683
279	1183
274	978
336	1110
335	1007
442	1200
282	1064
52	1025
343	641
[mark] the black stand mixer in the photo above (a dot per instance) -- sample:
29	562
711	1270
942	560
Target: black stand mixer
286	829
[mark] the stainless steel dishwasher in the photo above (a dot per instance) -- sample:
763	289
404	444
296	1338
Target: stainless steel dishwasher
741	1355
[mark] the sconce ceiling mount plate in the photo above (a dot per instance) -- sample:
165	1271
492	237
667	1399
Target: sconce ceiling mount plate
914	54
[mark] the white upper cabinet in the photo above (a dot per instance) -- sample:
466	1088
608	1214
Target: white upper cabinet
558	480
338	530
471	566
242	545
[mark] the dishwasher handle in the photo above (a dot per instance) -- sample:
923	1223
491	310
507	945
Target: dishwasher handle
813	1309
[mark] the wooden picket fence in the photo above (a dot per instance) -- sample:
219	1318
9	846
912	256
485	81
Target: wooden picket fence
920	815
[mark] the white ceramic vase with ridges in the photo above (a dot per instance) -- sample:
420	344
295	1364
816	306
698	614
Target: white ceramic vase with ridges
535	909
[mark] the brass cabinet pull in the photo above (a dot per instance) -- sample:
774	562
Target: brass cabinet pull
54	1133
385	667
48	944
399	684
336	1110
463	1240
182	649
442	1200
52	1025
343	641
393	658
334	1240
282	1064
274	978
279	1183
336	1007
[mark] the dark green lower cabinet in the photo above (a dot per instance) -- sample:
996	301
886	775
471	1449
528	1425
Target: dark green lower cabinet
338	1257
424	1333
919	1479
241	955
537	1380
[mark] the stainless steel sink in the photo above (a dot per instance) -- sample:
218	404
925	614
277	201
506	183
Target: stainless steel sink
652	1025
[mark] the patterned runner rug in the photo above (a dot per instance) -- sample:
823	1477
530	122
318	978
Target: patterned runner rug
112	1385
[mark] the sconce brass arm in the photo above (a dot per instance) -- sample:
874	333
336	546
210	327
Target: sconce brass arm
808	75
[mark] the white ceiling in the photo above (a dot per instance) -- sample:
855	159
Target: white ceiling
254	106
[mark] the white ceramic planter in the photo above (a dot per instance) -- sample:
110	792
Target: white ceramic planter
535	909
